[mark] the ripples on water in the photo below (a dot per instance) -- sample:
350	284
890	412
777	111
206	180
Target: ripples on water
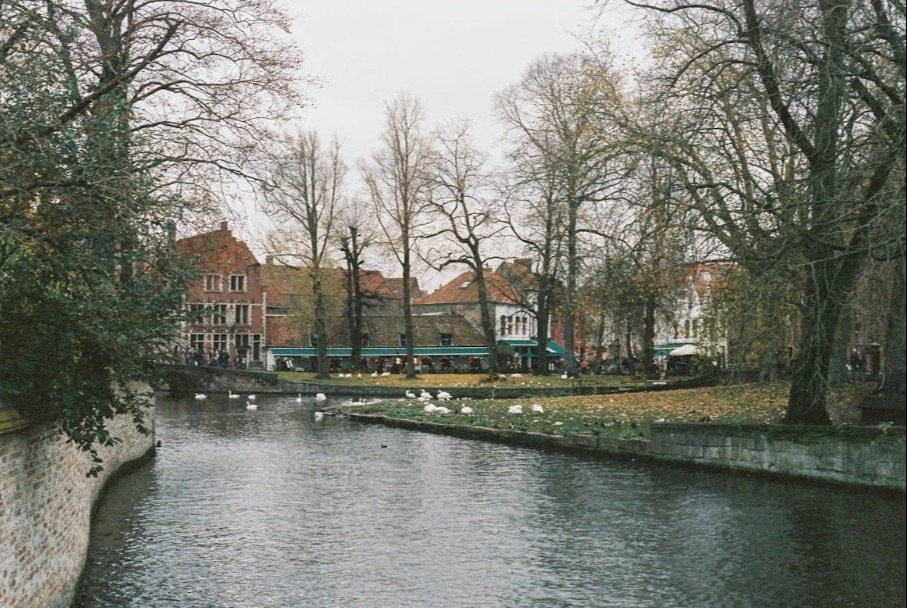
270	508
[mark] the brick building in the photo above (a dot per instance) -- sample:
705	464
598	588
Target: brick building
228	301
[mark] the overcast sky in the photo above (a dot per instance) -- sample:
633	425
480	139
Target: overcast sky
451	55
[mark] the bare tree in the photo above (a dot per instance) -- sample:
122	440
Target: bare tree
462	200
397	178
355	235
535	219
304	197
560	115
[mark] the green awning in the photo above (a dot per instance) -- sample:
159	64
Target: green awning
552	349
419	351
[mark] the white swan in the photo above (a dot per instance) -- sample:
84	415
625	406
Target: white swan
430	408
251	406
201	396
466	410
441	410
232	395
319	415
320	397
299	398
425	395
251	397
515	409
538	408
444	396
375	374
410	395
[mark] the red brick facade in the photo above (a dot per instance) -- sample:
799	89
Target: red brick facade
231	297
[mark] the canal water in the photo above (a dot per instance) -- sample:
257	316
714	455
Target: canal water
272	508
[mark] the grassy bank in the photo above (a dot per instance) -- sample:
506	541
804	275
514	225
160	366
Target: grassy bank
626	415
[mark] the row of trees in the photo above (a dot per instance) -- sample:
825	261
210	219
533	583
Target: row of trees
118	121
771	136
768	137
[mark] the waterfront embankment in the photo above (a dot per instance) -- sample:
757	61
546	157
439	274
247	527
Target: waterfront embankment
860	456
46	503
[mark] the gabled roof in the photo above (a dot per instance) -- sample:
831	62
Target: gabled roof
216	249
427	330
283	283
464	290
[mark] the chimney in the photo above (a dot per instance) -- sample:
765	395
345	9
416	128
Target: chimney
224	228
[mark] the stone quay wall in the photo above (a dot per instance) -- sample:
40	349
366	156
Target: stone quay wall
859	457
865	456
46	503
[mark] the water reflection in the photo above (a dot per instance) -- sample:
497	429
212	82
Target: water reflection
273	508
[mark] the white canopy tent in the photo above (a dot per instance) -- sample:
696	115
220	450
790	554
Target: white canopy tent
685	350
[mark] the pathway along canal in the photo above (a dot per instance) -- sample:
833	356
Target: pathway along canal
271	508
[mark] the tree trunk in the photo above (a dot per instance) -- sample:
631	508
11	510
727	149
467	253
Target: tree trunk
821	312
894	366
488	331
321	344
648	341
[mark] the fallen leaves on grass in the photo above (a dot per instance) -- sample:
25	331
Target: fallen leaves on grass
626	414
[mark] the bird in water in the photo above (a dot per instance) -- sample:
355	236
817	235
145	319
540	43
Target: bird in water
319	415
320	397
201	396
299	398
251	406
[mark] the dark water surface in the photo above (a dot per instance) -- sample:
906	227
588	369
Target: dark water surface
271	508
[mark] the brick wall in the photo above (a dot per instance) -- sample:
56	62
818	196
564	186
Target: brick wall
45	510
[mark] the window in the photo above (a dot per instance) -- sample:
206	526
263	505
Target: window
219	314
241	314
401	340
364	341
197	342
237	282
212	282
220	342
446	339
256	347
503	327
196	313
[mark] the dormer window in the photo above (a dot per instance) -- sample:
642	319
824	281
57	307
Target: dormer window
446	340
465	284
